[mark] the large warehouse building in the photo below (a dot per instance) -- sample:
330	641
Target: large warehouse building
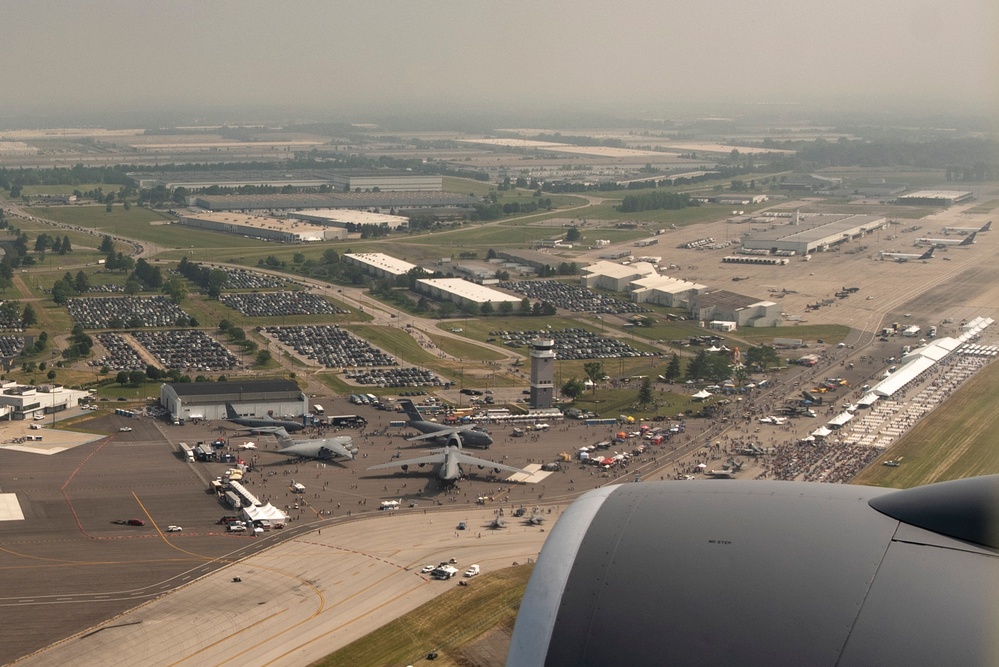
463	293
379	264
250	398
355	200
388	181
262	227
935	198
725	306
350	219
814	233
616	277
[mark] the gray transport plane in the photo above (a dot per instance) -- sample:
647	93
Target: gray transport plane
767	573
449	460
255	423
324	449
470	436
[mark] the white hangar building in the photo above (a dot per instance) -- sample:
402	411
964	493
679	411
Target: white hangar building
616	277
250	398
664	291
815	233
379	264
349	218
727	306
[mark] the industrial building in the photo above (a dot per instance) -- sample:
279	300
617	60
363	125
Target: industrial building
382	181
261	227
463	293
616	277
349	219
19	401
197	180
935	198
814	233
378	264
664	291
249	398
728	306
354	200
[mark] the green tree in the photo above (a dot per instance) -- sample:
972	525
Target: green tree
107	245
573	234
594	372
81	283
29	318
136	377
66	246
263	357
574	388
645	392
121	378
673	368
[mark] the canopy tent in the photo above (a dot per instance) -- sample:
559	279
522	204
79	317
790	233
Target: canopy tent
821	432
701	395
839	420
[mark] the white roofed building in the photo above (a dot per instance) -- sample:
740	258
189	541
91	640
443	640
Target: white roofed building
379	264
616	277
463	293
349	219
664	290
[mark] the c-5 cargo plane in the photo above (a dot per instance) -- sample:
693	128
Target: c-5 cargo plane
470	436
449	460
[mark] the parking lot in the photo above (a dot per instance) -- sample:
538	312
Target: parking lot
125	311
279	304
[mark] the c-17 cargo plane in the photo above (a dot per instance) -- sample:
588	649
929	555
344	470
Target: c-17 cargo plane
449	460
967	240
909	256
470	436
256	423
324	449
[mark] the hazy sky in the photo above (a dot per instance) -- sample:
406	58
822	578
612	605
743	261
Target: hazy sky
635	56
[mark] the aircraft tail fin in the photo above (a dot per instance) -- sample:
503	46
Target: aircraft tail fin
411	411
969	239
283	438
929	253
230	412
986	227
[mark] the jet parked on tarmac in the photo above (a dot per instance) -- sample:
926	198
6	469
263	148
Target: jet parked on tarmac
449	460
470	436
909	256
967	240
325	449
255	423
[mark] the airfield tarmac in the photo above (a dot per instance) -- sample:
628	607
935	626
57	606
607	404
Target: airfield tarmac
91	570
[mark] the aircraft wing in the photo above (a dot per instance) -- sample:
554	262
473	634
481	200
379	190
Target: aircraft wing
420	460
465	459
431	435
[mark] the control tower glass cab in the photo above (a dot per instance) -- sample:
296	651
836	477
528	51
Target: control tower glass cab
542	373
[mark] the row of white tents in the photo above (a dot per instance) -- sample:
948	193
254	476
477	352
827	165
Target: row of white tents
914	364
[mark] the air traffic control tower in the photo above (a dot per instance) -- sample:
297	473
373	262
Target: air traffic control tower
542	373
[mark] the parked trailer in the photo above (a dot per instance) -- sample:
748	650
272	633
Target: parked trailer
233	500
187	451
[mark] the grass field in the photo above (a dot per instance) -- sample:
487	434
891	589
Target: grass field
446	624
465	349
956	440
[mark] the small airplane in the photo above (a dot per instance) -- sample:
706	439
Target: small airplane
968	230
720	474
967	240
255	423
249	445
536	519
497	523
470	436
449	460
325	449
907	256
773	420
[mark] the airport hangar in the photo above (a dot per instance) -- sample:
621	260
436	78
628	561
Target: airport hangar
816	233
250	398
935	198
262	227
